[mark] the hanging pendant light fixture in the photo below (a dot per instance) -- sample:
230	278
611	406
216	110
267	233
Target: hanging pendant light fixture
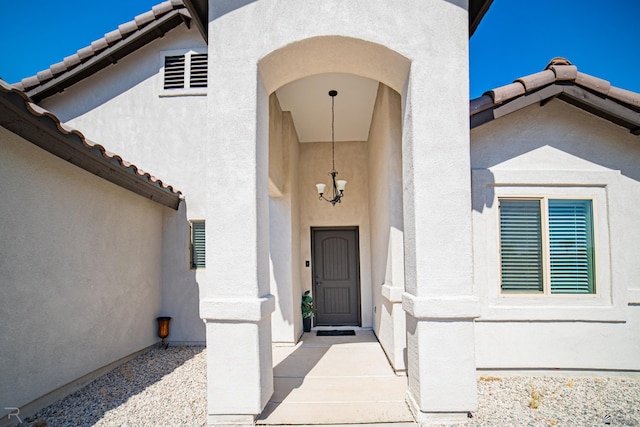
338	186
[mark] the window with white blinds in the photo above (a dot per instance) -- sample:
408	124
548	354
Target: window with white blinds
546	246
185	71
197	244
521	246
571	247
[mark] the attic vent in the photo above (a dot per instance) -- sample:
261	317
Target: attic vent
184	72
174	72
198	70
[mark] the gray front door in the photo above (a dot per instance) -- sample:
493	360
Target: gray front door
336	276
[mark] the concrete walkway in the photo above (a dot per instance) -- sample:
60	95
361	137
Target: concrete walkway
335	380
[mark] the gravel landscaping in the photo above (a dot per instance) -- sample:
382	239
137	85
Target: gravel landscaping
558	401
158	388
168	388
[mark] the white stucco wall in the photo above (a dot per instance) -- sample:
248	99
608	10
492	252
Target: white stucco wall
80	271
559	149
385	211
121	108
284	241
353	210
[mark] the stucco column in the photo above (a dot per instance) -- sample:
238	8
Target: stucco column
237	304
438	299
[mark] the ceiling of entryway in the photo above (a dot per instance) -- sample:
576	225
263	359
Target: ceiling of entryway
310	105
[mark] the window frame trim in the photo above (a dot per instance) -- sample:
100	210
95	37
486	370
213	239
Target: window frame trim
488	183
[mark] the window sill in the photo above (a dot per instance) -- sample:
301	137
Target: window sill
179	92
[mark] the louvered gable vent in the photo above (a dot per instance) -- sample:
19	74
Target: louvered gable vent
184	72
174	72
198	70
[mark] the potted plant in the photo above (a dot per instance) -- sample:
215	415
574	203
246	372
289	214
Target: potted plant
307	310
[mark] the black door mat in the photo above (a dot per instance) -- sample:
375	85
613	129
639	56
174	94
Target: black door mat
335	333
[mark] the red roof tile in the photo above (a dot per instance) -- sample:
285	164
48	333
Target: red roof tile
562	71
97	46
599	97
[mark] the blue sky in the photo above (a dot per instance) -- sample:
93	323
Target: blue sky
518	37
514	39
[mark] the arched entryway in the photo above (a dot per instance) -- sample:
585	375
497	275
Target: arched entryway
368	153
414	61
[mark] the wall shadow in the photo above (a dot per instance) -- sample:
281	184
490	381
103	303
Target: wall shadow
181	287
88	405
290	373
555	138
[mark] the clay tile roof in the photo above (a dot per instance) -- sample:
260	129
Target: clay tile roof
44	75
113	37
58	68
144	18
625	96
560	78
98	45
128	28
33	85
507	92
69	62
564	72
534	81
594	83
35	124
84	53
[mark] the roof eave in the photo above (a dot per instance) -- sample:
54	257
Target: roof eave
111	55
199	9
43	129
477	10
483	109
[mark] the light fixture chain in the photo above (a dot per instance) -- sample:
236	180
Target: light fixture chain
333	158
338	187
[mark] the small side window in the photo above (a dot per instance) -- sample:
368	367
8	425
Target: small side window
197	244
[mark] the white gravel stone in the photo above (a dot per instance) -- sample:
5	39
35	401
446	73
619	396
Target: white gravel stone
158	388
168	388
565	400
